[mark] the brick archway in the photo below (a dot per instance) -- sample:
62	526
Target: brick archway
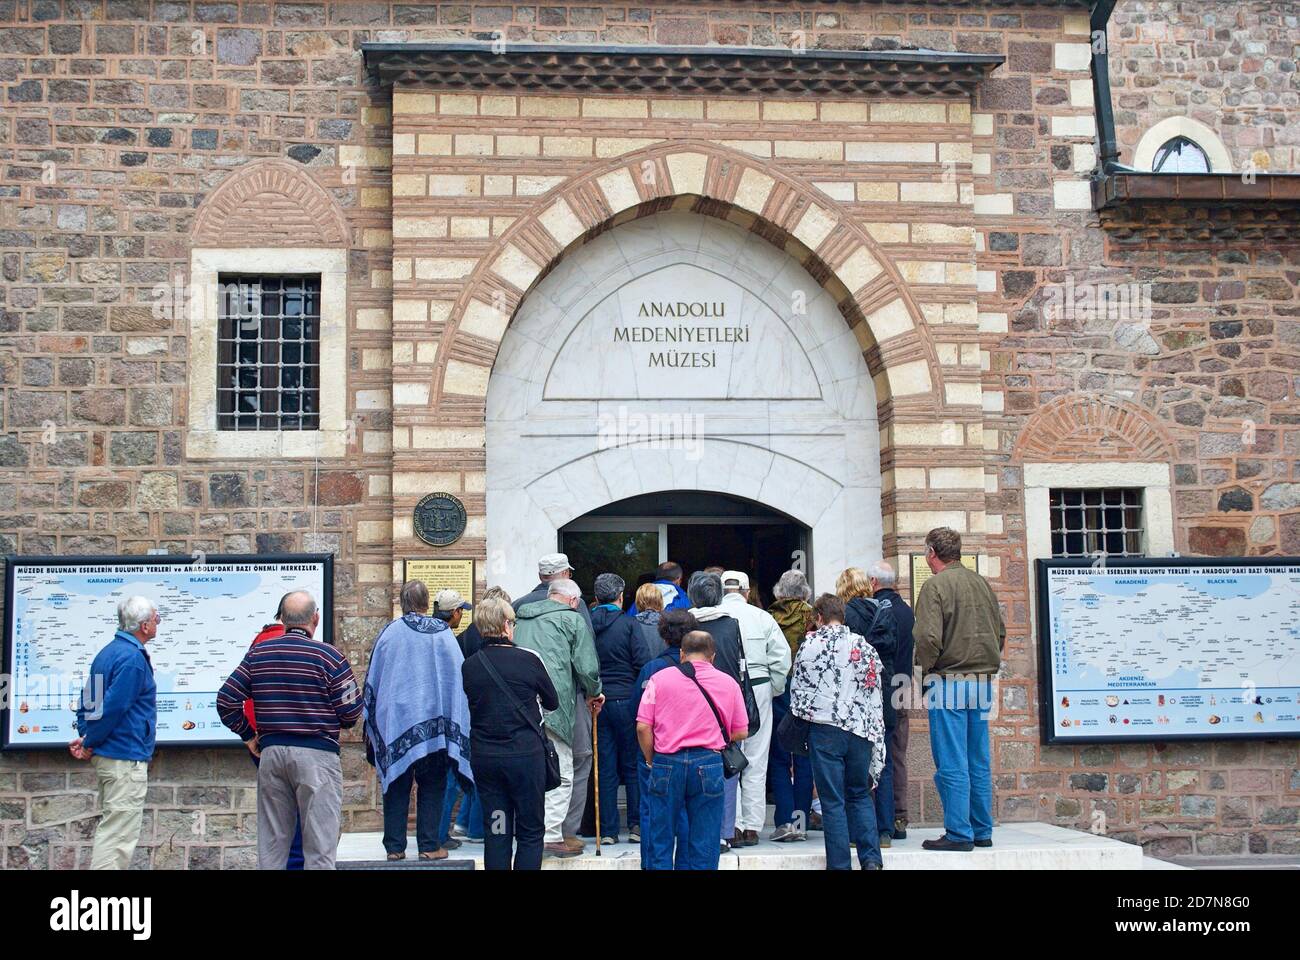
715	181
1089	428
270	203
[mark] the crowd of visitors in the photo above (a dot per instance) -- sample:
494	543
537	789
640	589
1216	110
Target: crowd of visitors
692	701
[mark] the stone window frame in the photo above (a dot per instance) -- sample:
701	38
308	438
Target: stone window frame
1169	128
203	441
1154	479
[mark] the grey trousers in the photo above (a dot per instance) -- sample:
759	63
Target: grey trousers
298	783
581	767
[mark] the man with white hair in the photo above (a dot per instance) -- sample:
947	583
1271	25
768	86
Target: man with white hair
117	720
556	566
767	658
899	686
554	630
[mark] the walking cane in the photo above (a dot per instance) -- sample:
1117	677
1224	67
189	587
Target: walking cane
595	765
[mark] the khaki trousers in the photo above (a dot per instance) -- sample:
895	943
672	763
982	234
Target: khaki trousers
122	788
298	784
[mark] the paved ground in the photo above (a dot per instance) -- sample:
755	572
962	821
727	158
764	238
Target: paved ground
1017	846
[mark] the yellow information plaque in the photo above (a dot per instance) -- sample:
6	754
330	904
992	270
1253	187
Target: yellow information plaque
921	571
445	575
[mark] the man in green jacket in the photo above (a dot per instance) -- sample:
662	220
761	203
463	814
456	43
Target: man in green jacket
959	637
554	630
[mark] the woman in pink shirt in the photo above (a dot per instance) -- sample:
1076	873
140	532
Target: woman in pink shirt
685	718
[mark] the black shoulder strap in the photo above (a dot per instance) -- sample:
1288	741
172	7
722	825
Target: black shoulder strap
726	737
496	677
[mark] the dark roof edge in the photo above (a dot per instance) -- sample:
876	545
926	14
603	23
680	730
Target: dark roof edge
990	60
1123	188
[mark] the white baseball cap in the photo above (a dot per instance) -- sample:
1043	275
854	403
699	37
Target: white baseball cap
553	563
734	578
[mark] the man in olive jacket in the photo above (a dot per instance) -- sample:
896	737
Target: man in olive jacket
555	631
959	637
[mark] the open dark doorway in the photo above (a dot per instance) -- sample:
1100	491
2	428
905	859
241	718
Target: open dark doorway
630	537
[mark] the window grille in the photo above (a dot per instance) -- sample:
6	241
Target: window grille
268	353
1097	522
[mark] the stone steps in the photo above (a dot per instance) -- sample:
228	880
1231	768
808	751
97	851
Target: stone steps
1018	846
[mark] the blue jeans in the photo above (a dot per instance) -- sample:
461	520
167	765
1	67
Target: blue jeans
619	754
680	832
470	816
791	776
689	780
884	794
727	826
841	766
959	739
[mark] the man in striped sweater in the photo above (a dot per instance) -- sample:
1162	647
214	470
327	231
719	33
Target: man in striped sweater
303	693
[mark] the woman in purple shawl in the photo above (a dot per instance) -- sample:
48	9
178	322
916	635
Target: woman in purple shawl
416	721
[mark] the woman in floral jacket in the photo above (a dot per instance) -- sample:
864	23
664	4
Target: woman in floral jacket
836	687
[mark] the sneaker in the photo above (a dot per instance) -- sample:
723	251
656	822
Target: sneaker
872	865
574	844
900	828
786	833
450	844
634	835
726	846
608	841
458	832
560	850
986	842
943	843
886	841
750	838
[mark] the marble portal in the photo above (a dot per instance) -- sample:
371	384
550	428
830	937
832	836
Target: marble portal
680	352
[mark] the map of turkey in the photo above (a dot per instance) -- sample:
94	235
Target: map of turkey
63	615
1155	651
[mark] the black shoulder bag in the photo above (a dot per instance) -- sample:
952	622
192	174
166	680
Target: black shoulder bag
733	757
552	758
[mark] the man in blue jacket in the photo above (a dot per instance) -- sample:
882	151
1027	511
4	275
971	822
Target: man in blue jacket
622	651
668	578
117	720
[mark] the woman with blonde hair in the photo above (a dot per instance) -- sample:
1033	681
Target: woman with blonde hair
649	610
874	619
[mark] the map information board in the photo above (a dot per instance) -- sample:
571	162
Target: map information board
1183	648
60	611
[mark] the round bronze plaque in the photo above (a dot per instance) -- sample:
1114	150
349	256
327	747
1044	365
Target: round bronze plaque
439	519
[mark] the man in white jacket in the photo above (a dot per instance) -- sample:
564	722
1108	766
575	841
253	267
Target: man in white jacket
767	657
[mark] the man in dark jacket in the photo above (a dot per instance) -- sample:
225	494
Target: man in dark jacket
556	566
898	689
118	720
620	644
873	618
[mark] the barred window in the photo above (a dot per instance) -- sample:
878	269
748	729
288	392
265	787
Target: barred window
268	353
1097	522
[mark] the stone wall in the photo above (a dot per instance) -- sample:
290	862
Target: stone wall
120	122
1230	66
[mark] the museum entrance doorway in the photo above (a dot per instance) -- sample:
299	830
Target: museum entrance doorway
696	529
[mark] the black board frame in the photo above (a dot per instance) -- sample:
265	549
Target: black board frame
1046	689
13	561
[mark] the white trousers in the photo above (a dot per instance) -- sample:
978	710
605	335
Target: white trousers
557	800
751	810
